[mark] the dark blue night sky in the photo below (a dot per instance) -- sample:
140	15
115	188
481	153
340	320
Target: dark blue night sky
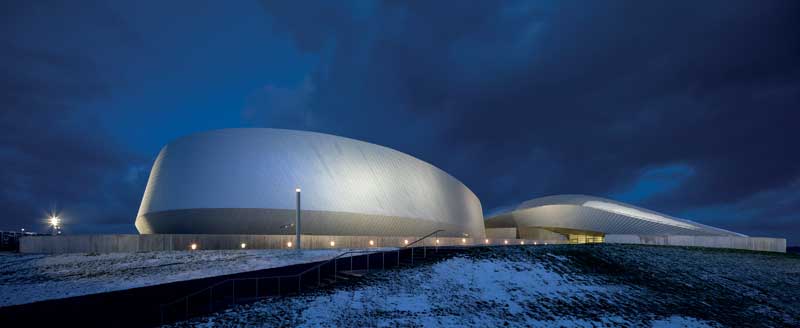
689	108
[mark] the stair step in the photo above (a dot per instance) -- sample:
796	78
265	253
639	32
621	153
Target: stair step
354	273
339	276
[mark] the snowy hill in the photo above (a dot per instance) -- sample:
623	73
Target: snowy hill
29	278
553	286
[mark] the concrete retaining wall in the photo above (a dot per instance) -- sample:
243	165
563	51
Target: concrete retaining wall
748	243
158	242
161	242
501	233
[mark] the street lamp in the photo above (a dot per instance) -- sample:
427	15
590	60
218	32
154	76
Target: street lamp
54	222
297	220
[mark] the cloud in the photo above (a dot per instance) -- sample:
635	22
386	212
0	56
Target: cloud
282	107
523	99
54	153
653	181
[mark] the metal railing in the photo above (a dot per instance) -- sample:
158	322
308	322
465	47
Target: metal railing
424	247
292	278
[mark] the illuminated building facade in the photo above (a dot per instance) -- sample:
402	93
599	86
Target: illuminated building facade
243	181
587	219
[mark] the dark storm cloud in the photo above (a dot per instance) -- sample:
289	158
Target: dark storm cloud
53	153
524	99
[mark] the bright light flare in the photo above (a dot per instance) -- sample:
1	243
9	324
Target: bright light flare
55	221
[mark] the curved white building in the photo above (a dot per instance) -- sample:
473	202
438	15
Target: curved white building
242	181
584	218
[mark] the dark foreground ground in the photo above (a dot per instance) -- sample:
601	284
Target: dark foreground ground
558	285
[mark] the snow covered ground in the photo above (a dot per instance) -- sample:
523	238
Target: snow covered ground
552	286
30	278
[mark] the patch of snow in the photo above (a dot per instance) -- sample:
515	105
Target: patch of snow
558	257
678	321
26	278
456	292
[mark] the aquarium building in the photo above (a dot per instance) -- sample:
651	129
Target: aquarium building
244	181
582	218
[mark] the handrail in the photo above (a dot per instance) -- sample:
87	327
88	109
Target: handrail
362	251
297	275
266	277
426	236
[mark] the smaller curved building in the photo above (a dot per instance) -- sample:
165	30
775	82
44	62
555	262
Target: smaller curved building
581	218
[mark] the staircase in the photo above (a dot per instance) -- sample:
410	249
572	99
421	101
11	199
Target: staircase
348	267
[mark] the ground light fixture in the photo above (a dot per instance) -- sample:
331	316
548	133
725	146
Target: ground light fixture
244	245
193	246
333	243
289	244
372	243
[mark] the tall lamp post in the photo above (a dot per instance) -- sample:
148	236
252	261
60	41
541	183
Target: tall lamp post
297	220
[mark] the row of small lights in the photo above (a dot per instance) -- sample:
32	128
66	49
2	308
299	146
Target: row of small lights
194	246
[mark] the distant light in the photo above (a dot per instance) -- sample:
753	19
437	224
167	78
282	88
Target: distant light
486	241
333	243
405	241
289	244
244	245
437	241
505	242
535	243
522	242
296	189
463	240
54	221
23	229
371	242
193	246
545	243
